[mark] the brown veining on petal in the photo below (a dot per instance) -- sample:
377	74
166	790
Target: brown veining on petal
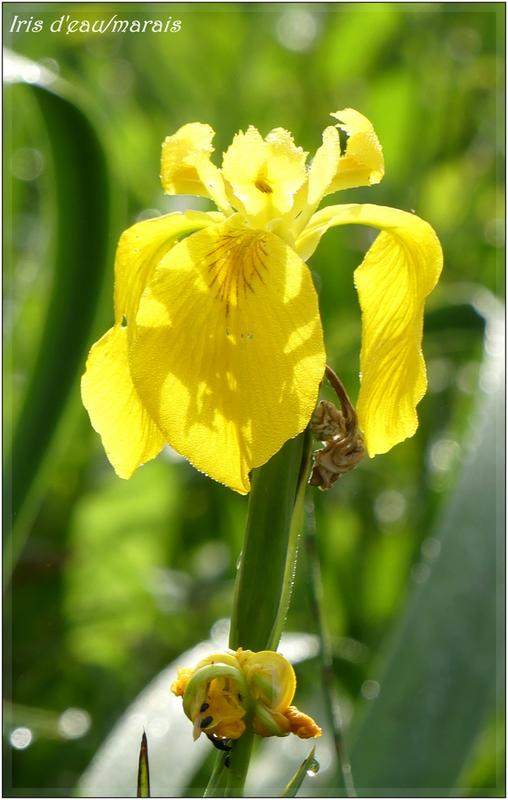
235	265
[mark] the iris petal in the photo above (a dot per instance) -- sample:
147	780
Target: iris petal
264	174
229	352
129	435
398	272
186	167
362	163
140	249
324	165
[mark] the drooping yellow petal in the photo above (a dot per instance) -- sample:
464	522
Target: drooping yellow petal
129	435
264	175
229	352
363	163
140	249
186	167
398	272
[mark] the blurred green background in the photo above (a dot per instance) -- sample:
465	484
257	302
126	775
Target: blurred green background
111	580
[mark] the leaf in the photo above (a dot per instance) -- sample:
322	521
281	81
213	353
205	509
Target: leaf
443	668
143	769
83	201
299	776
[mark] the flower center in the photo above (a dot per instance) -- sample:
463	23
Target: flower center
263	186
235	265
222	712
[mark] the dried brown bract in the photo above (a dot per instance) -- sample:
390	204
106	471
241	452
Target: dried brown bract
338	430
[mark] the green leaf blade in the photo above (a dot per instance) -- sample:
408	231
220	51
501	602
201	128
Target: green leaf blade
84	205
143	769
442	672
309	764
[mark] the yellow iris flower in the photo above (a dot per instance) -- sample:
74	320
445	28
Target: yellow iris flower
228	692
217	347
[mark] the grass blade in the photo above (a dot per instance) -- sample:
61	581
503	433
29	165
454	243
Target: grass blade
143	769
310	764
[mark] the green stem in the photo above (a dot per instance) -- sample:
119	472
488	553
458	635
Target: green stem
270	548
238	765
264	580
332	706
219	777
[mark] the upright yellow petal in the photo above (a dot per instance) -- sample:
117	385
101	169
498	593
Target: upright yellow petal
362	163
129	435
286	171
140	249
229	352
324	166
398	272
186	167
264	175
349	156
181	154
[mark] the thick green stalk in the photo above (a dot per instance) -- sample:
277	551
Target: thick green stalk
239	759
264	580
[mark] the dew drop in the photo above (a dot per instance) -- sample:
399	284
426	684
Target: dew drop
239	561
313	768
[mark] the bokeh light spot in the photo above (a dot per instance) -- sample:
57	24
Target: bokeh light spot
420	572
493	232
389	506
158	727
297	29
430	548
443	455
440	374
370	689
74	723
27	163
463	44
21	738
